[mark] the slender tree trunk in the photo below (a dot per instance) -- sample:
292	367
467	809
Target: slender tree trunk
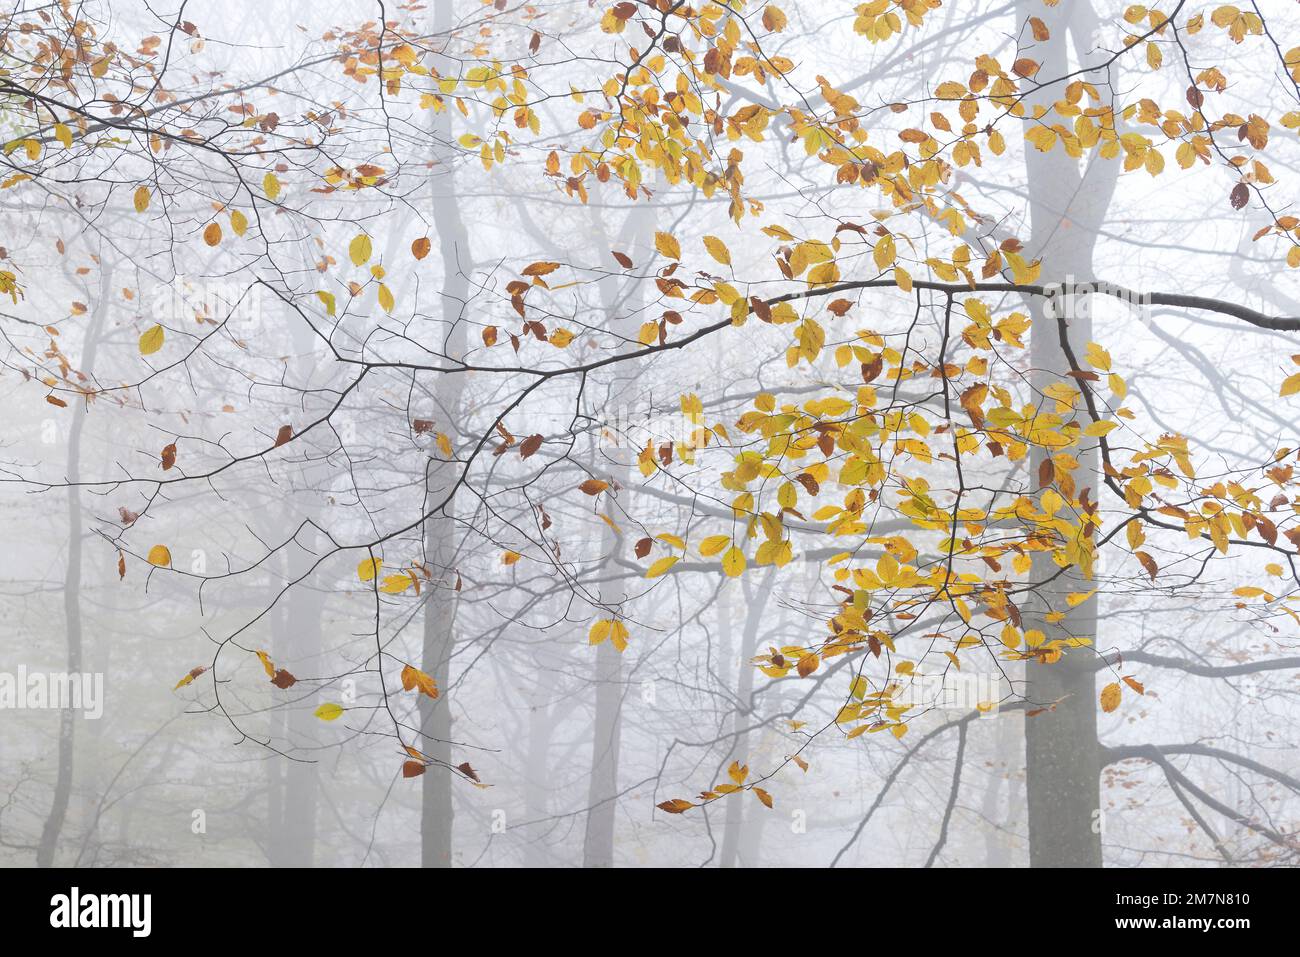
1062	753
742	717
293	840
439	530
49	844
602	792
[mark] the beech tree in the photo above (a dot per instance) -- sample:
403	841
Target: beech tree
446	364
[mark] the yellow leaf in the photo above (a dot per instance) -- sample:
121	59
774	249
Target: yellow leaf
560	338
359	250
63	135
266	663
718	249
612	629
733	562
160	555
668	245
714	544
385	298
368	569
238	223
270	186
509	558
1110	697
329	711
1292	385
142	199
151	340
661	566
1097	357
328	299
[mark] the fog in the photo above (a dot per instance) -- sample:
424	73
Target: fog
456	432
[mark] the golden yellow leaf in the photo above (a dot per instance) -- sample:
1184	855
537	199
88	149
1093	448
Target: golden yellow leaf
414	678
718	249
359	250
270	186
661	566
1110	697
151	340
141	199
160	556
733	562
668	246
238	223
329	711
369	568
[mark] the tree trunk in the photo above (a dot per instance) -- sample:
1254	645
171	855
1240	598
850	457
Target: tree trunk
439	530
49	844
1066	206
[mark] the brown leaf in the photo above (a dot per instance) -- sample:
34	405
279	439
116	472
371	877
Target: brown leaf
412	769
1148	563
121	566
870	370
422	425
284	435
420	248
282	679
623	259
1134	684
1046	472
168	456
643	547
469	772
593	486
763	796
489	336
1239	196
529	446
128	516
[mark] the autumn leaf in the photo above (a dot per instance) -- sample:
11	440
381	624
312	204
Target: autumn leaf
414	678
329	711
593	486
284	435
668	246
141	199
189	678
151	340
1110	697
675	806
270	186
265	659
168	456
369	568
529	446
282	679
212	234
662	565
359	250
420	248
159	556
413	769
